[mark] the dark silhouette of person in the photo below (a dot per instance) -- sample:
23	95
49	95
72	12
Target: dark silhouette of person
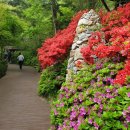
9	56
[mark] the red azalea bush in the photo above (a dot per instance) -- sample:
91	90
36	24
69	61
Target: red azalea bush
56	48
112	41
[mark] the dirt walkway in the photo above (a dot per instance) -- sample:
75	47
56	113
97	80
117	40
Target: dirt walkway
20	107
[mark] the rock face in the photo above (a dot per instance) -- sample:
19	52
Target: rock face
88	23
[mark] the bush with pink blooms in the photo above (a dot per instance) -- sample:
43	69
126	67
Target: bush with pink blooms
92	100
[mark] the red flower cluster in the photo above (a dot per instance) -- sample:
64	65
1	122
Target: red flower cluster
56	48
113	39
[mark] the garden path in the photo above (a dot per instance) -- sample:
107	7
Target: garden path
20	106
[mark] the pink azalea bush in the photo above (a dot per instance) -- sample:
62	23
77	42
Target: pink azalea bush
92	100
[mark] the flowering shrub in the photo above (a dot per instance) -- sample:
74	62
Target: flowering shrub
56	48
92	101
113	41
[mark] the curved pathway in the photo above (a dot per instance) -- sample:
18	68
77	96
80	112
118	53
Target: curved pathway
20	106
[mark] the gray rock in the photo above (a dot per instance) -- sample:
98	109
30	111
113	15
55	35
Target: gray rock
77	55
75	39
72	52
82	22
89	23
75	70
82	36
70	66
74	46
79	42
71	60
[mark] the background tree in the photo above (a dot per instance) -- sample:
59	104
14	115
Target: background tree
11	26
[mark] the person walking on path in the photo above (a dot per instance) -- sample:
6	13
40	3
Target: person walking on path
20	60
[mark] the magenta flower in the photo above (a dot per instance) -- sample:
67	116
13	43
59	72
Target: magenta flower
128	94
82	111
124	113
96	126
55	112
72	123
89	111
76	127
81	97
128	118
60	128
97	100
108	90
125	124
61	105
61	96
75	100
108	95
101	106
73	115
90	121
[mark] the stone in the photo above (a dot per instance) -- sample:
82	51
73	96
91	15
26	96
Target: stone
79	42
74	46
71	60
77	55
82	22
72	52
84	16
75	39
80	29
89	23
81	36
70	66
84	44
75	70
88	31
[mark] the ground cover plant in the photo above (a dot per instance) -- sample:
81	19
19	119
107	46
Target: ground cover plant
51	80
98	97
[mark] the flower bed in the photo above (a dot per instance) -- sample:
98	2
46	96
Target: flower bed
92	101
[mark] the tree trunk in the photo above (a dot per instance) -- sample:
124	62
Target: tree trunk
105	5
54	15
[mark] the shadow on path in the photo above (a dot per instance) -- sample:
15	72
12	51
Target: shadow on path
20	106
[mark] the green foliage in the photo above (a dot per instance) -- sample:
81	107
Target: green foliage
51	80
64	19
11	26
3	68
91	100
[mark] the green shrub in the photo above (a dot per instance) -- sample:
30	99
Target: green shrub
92	101
51	79
3	68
